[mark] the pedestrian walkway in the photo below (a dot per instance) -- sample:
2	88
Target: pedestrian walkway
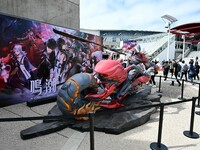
176	120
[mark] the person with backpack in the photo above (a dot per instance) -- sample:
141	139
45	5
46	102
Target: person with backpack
179	68
191	71
197	67
166	69
176	69
184	70
171	69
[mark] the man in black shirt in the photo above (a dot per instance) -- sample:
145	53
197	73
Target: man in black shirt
175	71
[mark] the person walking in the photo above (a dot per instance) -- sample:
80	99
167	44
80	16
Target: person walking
152	81
197	67
191	71
166	69
184	70
175	71
171	68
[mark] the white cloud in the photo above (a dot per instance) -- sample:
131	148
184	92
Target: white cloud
136	14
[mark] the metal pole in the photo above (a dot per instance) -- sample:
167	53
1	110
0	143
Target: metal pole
168	43
199	97
159	85
192	116
158	145
182	89
160	125
190	133
183	46
91	117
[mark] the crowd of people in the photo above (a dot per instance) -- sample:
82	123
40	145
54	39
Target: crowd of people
180	69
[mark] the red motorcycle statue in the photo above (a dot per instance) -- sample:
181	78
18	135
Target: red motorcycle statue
106	88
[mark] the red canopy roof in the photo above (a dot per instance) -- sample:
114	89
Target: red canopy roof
191	28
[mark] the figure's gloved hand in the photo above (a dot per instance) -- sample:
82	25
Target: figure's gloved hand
101	96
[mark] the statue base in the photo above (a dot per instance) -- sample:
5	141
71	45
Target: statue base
110	122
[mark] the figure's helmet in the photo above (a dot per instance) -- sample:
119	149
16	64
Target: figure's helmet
110	71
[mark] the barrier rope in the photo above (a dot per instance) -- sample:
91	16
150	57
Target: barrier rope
102	112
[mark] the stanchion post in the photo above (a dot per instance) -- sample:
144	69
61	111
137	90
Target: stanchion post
182	90
160	125
159	85
190	133
158	145
198	103
91	117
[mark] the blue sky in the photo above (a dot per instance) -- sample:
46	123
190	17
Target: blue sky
136	14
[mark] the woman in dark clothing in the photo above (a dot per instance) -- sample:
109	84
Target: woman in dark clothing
171	69
196	70
166	69
191	71
175	68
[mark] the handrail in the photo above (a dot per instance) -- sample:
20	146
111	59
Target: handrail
162	48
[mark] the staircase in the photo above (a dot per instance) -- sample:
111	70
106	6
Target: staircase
154	48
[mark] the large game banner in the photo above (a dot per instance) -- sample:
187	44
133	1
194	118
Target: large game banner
35	61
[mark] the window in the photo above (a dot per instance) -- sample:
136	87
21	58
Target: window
114	39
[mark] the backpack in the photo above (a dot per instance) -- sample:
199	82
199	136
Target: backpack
178	67
192	70
185	67
156	69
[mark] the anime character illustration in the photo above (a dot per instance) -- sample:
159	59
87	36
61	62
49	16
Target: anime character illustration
33	45
22	69
61	63
4	71
46	67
